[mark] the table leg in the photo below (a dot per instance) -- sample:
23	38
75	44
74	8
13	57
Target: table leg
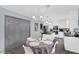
48	50
43	50
36	51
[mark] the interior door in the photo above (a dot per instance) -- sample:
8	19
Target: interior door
16	32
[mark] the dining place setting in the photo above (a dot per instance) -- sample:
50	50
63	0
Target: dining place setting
44	45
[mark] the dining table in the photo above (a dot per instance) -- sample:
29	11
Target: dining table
41	46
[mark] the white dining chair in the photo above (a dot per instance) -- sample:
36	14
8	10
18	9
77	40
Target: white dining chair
27	50
45	37
54	48
48	37
30	39
61	35
52	36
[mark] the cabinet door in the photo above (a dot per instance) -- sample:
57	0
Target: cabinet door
16	32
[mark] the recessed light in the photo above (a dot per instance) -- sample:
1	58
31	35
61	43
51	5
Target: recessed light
33	17
41	16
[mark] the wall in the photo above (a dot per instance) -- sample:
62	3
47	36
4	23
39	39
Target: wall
78	18
73	20
61	23
2	37
35	34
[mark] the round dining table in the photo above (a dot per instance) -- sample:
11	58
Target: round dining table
43	46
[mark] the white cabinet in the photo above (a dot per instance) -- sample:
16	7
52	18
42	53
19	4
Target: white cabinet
71	44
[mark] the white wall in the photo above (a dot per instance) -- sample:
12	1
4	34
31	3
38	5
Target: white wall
61	23
2	35
73	20
35	34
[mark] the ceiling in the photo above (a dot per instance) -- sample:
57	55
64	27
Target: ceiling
42	10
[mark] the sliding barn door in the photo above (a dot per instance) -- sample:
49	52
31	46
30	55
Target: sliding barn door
16	32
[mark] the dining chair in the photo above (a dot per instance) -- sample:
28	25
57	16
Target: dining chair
52	36
30	39
54	48
45	37
27	50
61	35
